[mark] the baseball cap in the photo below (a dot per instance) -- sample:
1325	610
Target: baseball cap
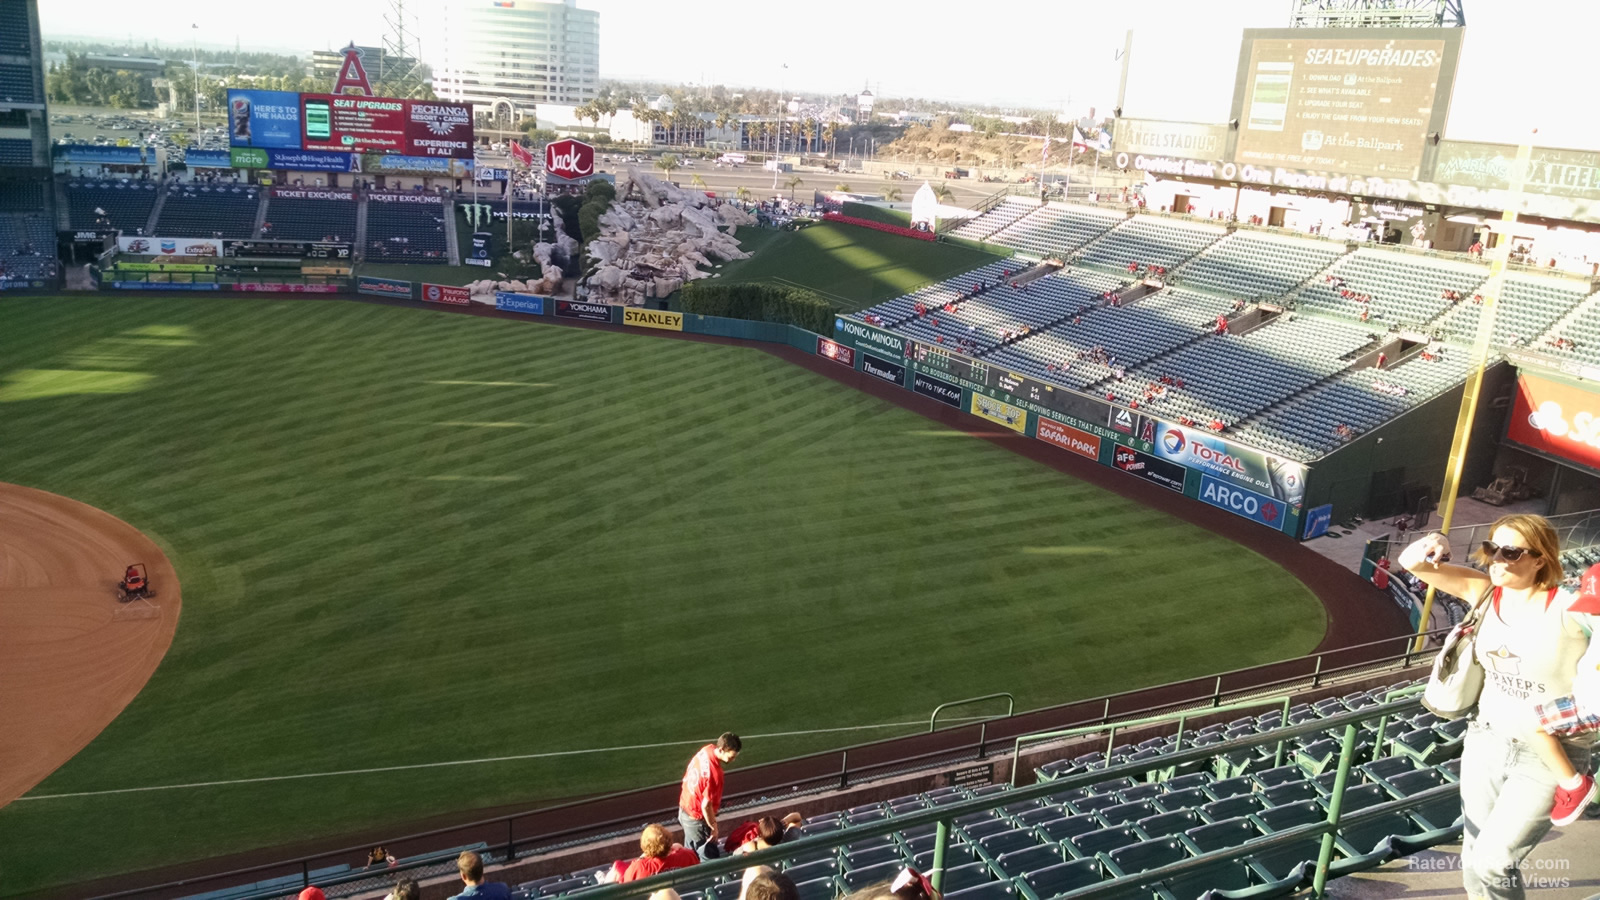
312	893
1588	592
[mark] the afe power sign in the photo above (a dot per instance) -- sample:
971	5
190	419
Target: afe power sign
1556	419
569	159
1168	475
1068	438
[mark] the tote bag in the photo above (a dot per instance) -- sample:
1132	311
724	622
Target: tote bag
1457	677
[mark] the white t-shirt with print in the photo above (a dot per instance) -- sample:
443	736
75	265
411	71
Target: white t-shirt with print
1530	653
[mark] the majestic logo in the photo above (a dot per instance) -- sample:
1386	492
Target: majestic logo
1172	442
569	159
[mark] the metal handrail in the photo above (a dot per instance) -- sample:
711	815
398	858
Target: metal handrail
1011	707
1318	673
944	816
1182	716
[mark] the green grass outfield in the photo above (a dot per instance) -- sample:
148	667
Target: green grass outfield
854	267
409	536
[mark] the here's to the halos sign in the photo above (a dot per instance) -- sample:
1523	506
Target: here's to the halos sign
653	318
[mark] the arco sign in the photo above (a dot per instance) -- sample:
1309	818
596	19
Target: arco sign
569	159
1557	419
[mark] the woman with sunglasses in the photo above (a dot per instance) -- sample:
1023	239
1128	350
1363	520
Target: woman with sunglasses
1514	778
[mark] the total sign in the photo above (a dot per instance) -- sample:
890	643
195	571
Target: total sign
1249	504
1248	468
569	159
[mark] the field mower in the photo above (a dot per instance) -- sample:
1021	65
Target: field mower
135	585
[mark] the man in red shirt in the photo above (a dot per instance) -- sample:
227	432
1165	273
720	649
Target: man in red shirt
658	855
701	795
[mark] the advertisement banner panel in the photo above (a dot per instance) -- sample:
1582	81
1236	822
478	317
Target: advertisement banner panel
877	367
1184	140
165	267
445	293
90	153
589	312
652	318
1344	100
196	158
160	246
1240	501
269	288
161	286
1560	173
264	119
313	194
435	129
313	161
1068	438
836	351
383	287
937	388
424	199
286	249
865	337
352	124
1317	521
1557	419
1012	417
247	158
482	249
1168	475
395	164
1278	478
530	304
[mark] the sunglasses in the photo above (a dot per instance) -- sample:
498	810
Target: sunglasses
1491	550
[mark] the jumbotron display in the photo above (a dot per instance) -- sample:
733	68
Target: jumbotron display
348	123
1344	101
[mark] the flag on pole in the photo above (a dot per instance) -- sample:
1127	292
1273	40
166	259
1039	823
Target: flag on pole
521	154
1079	142
1102	142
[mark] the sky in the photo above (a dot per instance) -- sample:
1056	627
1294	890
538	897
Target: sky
1524	63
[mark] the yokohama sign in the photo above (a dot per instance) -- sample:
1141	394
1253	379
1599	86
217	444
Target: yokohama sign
1557	419
569	159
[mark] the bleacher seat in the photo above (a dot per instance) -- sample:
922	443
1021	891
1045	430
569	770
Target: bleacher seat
1055	230
1248	265
1008	210
127	204
15	35
1405	290
406	232
16	152
1528	307
295	219
16	84
205	210
1150	241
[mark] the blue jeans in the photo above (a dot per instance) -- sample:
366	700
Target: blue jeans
1506	795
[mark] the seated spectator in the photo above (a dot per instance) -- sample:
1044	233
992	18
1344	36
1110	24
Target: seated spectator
380	857
766	883
748	837
470	866
908	885
658	854
406	889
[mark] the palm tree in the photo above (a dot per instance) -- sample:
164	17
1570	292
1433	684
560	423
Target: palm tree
892	194
843	186
696	181
943	192
743	193
793	182
810	126
828	135
667	163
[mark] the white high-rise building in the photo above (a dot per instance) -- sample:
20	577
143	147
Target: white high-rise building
519	51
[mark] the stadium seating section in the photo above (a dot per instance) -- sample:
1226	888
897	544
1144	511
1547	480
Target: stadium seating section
1080	837
27	246
127	204
22	196
1300	384
16	84
406	232
205	210
14	152
310	220
15	39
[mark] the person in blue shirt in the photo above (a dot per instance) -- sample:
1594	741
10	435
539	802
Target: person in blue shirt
471	867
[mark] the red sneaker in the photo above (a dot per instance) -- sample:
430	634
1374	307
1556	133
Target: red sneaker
1570	805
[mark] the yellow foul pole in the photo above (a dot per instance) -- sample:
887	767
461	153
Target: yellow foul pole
1481	347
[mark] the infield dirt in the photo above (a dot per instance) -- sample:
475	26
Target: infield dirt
71	656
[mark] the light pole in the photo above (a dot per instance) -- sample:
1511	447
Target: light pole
194	40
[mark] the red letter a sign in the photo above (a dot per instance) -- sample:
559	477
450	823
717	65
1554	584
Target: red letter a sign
352	75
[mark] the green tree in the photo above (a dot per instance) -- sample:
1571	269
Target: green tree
668	163
829	136
696	181
944	193
844	186
793	182
892	193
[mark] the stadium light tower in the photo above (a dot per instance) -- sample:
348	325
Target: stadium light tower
401	45
1378	14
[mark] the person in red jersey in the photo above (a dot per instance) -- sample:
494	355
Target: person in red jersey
701	794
